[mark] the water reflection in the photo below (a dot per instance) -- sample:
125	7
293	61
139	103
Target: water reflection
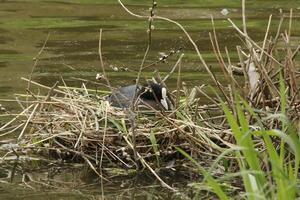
75	181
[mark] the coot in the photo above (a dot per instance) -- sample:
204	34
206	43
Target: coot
151	95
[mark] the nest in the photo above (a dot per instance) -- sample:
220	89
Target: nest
74	125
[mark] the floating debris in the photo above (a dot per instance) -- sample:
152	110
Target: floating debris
224	11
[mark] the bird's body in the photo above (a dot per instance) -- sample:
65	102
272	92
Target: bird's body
152	96
123	96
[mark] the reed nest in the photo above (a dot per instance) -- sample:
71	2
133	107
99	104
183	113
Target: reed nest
77	124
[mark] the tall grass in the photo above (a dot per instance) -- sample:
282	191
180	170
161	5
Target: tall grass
268	172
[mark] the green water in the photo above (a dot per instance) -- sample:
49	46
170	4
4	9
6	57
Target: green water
74	26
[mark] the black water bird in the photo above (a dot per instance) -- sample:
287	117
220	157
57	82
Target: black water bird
151	95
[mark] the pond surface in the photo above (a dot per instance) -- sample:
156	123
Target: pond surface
74	26
72	48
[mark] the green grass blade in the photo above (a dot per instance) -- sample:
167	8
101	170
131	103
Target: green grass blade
155	146
210	180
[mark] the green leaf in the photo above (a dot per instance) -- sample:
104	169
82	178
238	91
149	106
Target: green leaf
210	180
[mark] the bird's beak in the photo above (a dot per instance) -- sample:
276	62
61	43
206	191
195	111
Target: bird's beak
163	101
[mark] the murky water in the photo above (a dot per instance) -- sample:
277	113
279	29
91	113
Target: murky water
73	28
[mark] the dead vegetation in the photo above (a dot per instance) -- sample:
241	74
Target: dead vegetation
78	125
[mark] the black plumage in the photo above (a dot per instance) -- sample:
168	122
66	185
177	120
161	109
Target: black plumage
151	95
